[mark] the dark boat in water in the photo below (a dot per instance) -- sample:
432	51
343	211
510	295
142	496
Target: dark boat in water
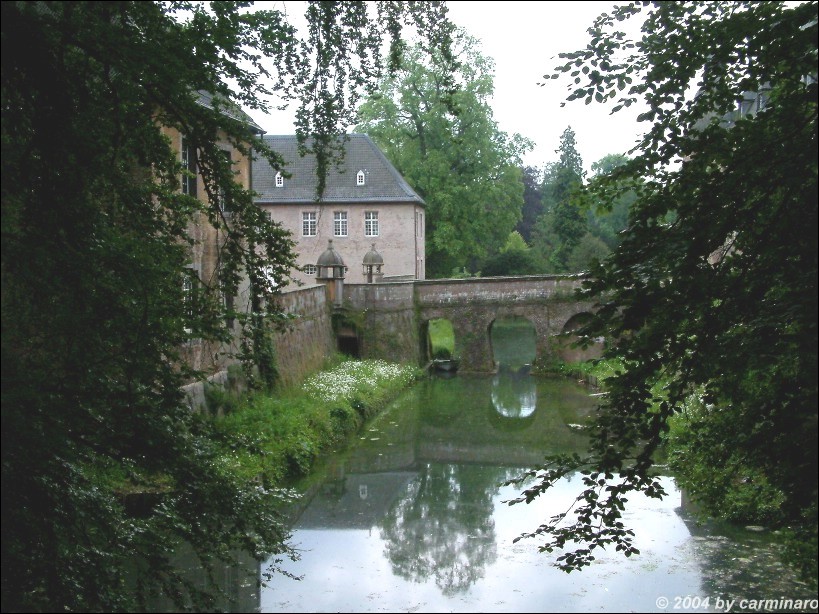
446	365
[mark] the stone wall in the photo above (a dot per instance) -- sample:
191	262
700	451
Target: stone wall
302	348
309	340
389	320
386	318
497	290
394	315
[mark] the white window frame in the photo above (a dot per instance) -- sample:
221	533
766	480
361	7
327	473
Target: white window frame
309	222
224	205
371	228
188	184
190	281
187	295
310	269
279	180
361	178
340	228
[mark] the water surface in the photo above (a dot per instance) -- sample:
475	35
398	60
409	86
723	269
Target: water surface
412	518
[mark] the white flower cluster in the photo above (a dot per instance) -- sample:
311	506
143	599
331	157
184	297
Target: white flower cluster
345	380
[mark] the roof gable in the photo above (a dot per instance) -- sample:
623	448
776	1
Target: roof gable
383	183
226	108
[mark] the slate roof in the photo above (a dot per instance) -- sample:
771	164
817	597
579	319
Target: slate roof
383	182
227	109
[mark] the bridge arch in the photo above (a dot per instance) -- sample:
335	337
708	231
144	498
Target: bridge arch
576	321
512	341
398	314
438	339
564	349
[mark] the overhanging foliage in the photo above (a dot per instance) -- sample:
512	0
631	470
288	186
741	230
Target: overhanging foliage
94	250
713	289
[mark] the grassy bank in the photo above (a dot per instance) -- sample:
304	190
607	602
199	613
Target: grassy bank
279	438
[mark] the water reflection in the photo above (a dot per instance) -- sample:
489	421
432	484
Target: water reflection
412	518
514	392
231	587
414	515
457	501
423	481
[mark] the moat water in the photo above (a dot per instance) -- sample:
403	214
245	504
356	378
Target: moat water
412	518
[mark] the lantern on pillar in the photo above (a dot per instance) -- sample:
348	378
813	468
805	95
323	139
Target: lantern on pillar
373	265
330	268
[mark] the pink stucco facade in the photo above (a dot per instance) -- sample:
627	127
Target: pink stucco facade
376	203
400	238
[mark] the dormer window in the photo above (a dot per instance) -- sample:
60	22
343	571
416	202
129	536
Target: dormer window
279	180
360	178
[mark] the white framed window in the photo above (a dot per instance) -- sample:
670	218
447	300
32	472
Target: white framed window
188	152
371	223
190	283
279	180
308	223
340	223
225	204
187	295
310	269
361	178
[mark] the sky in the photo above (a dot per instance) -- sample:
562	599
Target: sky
524	39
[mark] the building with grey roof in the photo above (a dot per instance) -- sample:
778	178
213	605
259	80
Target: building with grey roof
208	240
366	201
227	108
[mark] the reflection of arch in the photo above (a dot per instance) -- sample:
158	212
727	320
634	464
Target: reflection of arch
514	393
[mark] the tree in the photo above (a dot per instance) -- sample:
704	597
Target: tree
532	202
606	220
511	262
433	121
515	258
96	236
588	250
711	298
514	242
562	225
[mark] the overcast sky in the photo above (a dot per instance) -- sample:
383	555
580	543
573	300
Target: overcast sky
524	39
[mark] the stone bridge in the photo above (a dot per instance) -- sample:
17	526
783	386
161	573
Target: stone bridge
389	320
